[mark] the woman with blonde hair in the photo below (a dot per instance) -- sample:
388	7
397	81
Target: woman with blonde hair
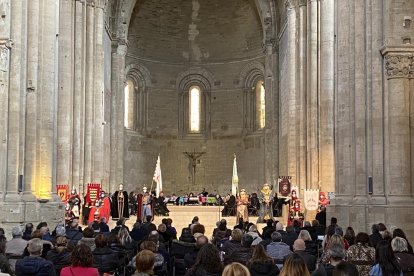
294	266
311	247
235	269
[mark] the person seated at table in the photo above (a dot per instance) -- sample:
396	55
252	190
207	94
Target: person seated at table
161	206
229	207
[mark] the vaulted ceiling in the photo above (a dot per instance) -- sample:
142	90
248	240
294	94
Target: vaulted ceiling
197	31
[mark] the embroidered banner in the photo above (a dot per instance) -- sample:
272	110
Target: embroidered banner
62	191
93	190
311	200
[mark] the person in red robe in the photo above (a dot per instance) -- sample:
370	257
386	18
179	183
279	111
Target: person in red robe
95	213
105	210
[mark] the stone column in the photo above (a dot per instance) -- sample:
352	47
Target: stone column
78	95
47	86
97	172
117	114
301	154
32	87
89	91
13	125
5	45
399	61
65	92
326	101
312	95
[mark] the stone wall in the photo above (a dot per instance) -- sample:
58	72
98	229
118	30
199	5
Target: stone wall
227	137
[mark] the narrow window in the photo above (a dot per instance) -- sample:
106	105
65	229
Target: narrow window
260	105
195	102
129	110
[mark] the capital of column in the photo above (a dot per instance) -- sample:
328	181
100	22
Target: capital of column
290	4
399	61
100	4
270	46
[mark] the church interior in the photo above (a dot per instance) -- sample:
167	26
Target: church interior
94	91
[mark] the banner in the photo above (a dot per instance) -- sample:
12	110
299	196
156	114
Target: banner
235	178
62	191
157	177
92	193
311	200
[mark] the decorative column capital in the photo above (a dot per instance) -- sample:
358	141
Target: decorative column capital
101	4
290	4
398	61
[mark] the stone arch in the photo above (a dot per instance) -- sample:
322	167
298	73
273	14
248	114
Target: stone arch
140	74
251	73
196	74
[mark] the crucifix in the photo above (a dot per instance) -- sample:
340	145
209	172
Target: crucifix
194	157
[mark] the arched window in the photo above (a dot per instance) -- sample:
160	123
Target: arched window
260	105
195	109
130	111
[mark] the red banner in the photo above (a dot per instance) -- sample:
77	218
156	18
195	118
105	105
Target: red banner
93	190
62	191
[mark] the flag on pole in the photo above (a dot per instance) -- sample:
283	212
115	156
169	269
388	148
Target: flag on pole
157	177
235	178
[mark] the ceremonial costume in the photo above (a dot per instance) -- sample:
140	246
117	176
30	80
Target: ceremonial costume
75	203
266	197
242	203
105	210
145	206
95	212
119	206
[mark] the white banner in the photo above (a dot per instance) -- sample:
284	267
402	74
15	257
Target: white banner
157	177
311	200
235	178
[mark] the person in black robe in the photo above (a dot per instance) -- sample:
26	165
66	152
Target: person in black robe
119	206
161	206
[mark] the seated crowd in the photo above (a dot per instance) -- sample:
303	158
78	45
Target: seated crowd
147	249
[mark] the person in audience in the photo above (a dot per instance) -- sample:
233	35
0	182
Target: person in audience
208	262
279	228
172	232
299	248
145	263
266	239
138	233
103	226
336	254
255	234
232	245
73	234
350	235
197	230
311	246
277	249
345	269
404	258
28	229
34	264
334	239
158	258
236	269
190	257
162	231
385	261
243	254
4	263
361	254
400	233
290	236
104	258
221	233
119	224
319	230
268	228
44	230
386	235
186	235
16	246
59	255
261	264
88	238
375	237
127	243
294	266
47	245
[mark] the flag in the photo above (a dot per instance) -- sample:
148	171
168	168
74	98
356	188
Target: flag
157	177
235	178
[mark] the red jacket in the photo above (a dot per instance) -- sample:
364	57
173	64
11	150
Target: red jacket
78	270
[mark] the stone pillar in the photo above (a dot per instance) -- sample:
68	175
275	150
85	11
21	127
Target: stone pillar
97	173
32	90
78	96
117	115
399	110
5	45
13	126
65	98
312	95
89	91
47	86
326	101
301	154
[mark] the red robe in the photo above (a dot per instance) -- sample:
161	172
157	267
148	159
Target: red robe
92	216
106	208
